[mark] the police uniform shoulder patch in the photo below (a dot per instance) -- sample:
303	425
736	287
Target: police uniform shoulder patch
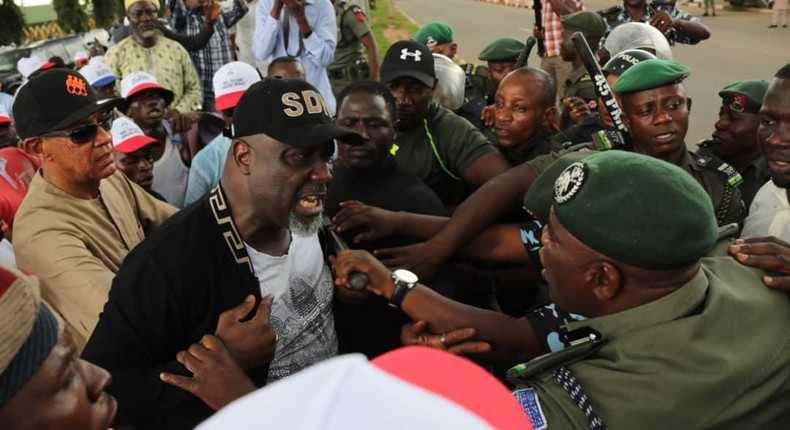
358	13
715	164
527	398
569	182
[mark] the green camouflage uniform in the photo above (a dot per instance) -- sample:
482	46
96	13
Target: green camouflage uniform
350	63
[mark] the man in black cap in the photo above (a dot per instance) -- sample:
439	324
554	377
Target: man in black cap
447	152
205	271
80	217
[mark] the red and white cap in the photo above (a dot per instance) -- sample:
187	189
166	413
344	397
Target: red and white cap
127	137
29	65
411	388
231	81
81	57
98	74
140	81
5	118
96	59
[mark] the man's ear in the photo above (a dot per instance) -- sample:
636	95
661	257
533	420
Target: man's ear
242	156
549	114
35	146
688	104
605	280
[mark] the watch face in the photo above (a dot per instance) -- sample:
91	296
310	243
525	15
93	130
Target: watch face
406	276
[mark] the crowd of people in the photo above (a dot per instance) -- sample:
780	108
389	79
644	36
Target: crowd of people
242	215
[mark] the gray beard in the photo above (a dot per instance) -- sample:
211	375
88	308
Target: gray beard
305	227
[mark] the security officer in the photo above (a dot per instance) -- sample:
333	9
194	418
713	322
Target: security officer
501	56
655	316
353	32
735	138
655	87
579	87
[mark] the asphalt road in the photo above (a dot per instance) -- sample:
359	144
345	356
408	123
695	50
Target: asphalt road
740	47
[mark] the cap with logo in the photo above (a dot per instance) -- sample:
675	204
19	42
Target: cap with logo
660	216
55	99
137	82
433	34
29	65
98	75
589	23
231	81
650	74
127	137
81	57
289	110
744	96
624	60
5	118
408	58
414	388
502	50
29	331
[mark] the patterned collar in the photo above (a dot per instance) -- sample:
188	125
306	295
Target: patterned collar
218	203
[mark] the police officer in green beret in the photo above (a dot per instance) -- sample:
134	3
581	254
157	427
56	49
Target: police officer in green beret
353	33
662	336
501	56
579	97
656	111
735	138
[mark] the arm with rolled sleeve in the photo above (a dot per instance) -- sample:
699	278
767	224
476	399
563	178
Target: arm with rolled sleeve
267	31
320	45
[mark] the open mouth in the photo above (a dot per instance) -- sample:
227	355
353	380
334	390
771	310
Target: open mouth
310	205
779	166
665	137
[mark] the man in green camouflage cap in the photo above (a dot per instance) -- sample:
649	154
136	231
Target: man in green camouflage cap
353	33
579	94
735	137
653	347
656	111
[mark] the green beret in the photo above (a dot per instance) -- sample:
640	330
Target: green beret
744	96
504	49
540	196
636	209
433	34
589	23
649	74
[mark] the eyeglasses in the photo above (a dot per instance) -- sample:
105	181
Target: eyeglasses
84	133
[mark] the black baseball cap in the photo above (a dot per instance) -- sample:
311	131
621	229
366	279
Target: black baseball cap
289	110
53	100
408	58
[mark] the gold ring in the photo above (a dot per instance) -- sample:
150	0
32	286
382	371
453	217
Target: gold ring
442	339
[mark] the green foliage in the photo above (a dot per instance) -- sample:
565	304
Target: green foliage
12	23
105	12
71	16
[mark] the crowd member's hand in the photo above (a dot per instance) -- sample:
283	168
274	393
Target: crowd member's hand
577	109
420	258
250	341
180	122
295	7
769	253
351	297
348	261
538	32
354	214
216	377
455	341
488	115
211	11
662	21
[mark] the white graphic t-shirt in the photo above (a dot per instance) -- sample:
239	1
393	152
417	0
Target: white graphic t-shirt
302	287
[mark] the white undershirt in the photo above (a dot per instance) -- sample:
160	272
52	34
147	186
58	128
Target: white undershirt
302	308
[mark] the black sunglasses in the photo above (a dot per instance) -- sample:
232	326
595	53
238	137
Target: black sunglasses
84	133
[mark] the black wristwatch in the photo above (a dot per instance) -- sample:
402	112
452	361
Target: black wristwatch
404	281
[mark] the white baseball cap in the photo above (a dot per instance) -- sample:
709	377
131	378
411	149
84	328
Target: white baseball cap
127	137
29	65
96	59
414	388
98	74
5	118
231	81
140	81
81	57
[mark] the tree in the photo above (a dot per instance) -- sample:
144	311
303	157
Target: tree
12	23
106	12
71	16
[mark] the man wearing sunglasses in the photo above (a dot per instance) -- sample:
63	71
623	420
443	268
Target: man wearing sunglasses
80	217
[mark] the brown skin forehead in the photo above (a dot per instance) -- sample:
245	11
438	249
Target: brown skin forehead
530	84
777	99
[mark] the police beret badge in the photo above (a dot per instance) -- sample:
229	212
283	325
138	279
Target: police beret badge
569	182
738	103
431	42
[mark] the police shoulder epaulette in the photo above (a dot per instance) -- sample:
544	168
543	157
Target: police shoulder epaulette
469	69
705	143
717	165
579	348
